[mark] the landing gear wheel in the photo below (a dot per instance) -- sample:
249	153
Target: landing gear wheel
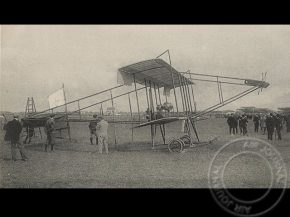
186	139
176	145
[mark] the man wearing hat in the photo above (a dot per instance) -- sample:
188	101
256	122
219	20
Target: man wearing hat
93	129
277	120
287	119
14	129
49	129
102	128
244	124
230	122
256	120
270	126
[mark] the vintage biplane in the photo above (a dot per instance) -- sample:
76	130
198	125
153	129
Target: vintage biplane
152	76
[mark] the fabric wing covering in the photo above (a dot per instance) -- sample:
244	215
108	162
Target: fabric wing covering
156	71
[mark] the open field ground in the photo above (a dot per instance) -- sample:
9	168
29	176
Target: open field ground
134	165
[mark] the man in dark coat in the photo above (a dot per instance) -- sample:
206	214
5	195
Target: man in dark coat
287	120
244	124
240	123
235	124
230	122
270	126
13	129
49	129
277	119
256	120
93	129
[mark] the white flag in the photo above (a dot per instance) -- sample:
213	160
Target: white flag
56	99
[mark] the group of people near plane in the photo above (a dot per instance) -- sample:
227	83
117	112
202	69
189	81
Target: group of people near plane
270	123
98	128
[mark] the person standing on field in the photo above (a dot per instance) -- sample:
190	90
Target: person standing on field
244	124
256	120
49	129
102	128
235	124
93	129
230	122
13	130
277	119
240	124
270	126
263	124
287	120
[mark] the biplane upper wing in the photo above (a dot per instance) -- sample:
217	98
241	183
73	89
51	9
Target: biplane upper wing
155	71
161	121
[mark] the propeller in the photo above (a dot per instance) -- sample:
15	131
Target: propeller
264	75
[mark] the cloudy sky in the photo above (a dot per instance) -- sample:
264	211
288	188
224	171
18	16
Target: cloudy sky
36	60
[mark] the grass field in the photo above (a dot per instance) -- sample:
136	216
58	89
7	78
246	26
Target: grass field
134	164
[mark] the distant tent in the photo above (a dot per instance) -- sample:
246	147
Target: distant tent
285	110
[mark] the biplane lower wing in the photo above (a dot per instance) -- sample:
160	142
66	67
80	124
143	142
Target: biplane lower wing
161	121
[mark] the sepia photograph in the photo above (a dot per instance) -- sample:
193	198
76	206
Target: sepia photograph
146	106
